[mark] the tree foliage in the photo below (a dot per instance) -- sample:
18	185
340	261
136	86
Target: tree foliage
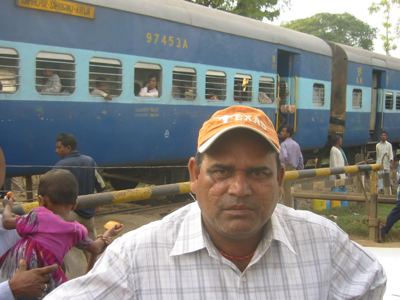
256	9
392	31
340	28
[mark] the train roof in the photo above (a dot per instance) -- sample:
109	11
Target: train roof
363	56
203	17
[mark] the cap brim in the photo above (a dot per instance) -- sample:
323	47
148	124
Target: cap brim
207	144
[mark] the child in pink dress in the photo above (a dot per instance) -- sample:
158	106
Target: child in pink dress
46	236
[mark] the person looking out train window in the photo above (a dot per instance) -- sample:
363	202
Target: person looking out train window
101	89
53	82
150	89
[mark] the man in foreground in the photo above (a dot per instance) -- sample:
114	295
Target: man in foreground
235	241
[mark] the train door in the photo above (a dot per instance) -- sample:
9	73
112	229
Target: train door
376	116
286	90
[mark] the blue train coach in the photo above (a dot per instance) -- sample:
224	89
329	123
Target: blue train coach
200	60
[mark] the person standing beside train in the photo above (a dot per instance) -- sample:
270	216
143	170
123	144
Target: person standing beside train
290	154
84	169
384	156
338	159
394	214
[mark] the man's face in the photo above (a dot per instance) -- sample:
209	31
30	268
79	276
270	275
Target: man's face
340	141
284	133
384	137
48	72
62	150
152	84
237	186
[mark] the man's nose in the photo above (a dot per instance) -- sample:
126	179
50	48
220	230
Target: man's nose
239	184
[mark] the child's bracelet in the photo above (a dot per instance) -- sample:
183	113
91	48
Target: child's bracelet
106	240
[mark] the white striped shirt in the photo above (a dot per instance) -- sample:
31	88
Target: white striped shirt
301	256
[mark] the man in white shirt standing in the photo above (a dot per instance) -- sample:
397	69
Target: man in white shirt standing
338	159
384	156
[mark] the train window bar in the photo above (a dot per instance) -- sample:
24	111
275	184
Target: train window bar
55	73
9	70
144	73
266	90
318	98
184	83
105	77
215	85
242	89
357	98
389	100
397	101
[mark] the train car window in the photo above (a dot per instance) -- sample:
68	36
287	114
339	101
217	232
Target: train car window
148	80
357	98
266	90
55	73
9	70
397	101
215	85
184	83
242	89
318	94
389	100
105	75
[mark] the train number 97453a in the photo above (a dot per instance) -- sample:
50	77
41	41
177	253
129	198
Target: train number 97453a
166	40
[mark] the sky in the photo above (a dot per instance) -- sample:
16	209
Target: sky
301	9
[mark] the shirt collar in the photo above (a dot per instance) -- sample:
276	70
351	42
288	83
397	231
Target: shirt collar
190	236
276	231
193	237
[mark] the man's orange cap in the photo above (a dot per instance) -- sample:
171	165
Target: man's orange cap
237	116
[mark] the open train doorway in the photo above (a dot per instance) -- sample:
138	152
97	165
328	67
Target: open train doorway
375	118
286	90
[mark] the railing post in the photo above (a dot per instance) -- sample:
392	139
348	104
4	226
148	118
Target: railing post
287	193
373	208
29	188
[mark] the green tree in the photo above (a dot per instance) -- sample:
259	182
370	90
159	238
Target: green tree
256	9
392	31
340	28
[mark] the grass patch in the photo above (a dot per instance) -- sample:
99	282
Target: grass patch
354	219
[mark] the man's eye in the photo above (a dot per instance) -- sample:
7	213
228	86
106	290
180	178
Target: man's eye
260	173
219	173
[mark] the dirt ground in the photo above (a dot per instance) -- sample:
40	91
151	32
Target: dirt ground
134	220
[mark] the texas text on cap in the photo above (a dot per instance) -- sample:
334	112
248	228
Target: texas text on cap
237	116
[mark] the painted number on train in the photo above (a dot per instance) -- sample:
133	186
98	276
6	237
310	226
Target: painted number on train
166	40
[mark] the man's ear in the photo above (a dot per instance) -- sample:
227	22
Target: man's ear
44	201
194	171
